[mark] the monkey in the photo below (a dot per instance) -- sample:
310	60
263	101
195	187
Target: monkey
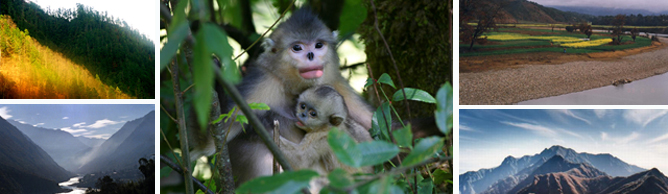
318	110
299	54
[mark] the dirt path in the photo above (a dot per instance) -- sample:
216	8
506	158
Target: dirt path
510	85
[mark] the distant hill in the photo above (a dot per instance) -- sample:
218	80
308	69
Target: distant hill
603	11
651	181
136	139
514	170
62	146
24	166
526	11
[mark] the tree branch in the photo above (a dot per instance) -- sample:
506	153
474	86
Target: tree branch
183	132
178	169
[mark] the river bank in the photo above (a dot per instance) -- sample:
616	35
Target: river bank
533	81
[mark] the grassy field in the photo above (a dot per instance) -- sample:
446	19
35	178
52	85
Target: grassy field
30	70
525	40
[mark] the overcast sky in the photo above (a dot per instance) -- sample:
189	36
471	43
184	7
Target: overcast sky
89	120
651	5
139	14
638	137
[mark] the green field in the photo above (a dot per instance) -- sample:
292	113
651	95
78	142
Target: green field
522	40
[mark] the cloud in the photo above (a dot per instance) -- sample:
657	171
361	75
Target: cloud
99	136
535	128
79	124
4	113
65	117
643	117
102	123
22	122
466	128
70	130
600	113
620	140
660	138
571	114
38	124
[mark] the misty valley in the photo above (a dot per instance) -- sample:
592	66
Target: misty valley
42	160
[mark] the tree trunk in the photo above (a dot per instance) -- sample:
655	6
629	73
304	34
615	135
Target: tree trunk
419	33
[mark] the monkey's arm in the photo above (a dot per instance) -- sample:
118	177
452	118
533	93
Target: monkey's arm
358	109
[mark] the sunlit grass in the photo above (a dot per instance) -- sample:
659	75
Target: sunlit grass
30	70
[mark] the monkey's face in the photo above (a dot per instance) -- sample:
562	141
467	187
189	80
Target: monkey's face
308	118
310	57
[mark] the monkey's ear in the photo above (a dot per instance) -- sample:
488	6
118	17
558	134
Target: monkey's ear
335	34
268	44
335	120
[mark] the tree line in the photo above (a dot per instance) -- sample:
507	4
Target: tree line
106	46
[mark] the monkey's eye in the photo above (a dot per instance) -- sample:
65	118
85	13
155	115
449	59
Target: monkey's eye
313	113
297	47
303	106
318	45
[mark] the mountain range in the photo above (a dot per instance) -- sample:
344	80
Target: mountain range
562	170
24	166
62	146
604	11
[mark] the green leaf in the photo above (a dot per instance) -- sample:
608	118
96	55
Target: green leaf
259	106
425	187
440	176
413	94
223	50
369	82
376	152
286	182
423	150
381	124
385	79
344	147
164	172
352	15
339	178
202	67
404	136
174	39
444	108
384	186
241	119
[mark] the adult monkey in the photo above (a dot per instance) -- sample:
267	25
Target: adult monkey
299	54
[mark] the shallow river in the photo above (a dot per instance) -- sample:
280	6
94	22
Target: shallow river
649	91
67	185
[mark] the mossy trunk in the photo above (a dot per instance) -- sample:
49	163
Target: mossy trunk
419	33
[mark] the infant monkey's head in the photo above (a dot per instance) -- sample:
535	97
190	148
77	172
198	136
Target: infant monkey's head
320	108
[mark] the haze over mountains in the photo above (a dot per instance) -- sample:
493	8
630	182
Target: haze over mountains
562	170
24	166
30	156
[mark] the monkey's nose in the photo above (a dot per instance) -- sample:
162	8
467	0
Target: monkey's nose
303	114
310	56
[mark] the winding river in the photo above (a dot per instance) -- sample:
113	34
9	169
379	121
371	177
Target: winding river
649	91
68	185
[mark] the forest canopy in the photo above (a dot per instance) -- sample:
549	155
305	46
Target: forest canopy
106	46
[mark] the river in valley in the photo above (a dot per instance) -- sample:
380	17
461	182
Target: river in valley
649	91
68	185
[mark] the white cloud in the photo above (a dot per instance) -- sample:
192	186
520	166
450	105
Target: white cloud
643	117
660	138
571	114
79	124
22	122
65	117
535	128
567	132
620	140
466	128
4	113
102	123
100	136
38	124
70	130
600	113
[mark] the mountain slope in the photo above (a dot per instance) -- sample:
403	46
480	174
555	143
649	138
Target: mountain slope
136	139
24	166
523	10
482	180
62	146
651	181
558	164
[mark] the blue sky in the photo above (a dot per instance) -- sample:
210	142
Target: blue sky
638	137
89	120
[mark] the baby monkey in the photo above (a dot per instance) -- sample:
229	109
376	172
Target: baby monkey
318	110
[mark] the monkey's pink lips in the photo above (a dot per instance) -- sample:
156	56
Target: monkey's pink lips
311	72
299	123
